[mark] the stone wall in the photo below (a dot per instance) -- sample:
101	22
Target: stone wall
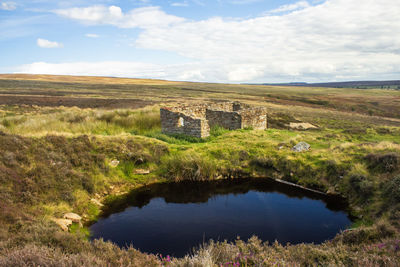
255	118
196	120
226	119
178	123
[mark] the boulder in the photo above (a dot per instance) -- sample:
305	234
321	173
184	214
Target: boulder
114	163
300	147
73	217
63	223
302	126
96	202
141	171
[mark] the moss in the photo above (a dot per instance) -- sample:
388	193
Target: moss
76	229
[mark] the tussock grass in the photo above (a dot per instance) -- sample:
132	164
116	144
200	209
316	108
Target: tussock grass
55	159
189	166
84	121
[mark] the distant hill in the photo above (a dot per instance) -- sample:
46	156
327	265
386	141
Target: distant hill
351	84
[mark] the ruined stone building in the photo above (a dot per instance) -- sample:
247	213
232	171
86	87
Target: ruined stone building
196	120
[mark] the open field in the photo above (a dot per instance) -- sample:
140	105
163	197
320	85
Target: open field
379	102
60	134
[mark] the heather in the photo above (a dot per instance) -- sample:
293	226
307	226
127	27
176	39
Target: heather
56	159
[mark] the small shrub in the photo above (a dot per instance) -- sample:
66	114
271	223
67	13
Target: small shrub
391	190
243	155
378	231
388	162
9	159
263	162
334	171
360	186
107	117
158	151
78	118
382	130
6	123
88	184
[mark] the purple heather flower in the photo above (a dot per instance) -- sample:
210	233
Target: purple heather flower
381	245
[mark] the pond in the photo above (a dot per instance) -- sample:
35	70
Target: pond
173	218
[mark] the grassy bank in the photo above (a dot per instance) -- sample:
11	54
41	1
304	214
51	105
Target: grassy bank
55	160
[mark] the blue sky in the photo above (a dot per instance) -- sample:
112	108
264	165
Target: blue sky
203	40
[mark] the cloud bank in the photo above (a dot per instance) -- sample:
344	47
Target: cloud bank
334	40
106	68
290	7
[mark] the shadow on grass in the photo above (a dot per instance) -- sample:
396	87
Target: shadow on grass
182	139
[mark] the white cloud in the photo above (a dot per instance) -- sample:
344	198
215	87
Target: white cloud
92	35
43	43
242	2
180	4
334	40
106	68
8	5
143	17
290	7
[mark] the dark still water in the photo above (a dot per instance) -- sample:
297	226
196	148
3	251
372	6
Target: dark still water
173	218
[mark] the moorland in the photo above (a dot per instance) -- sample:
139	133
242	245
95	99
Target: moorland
61	135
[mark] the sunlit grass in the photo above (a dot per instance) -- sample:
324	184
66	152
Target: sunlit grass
56	159
83	121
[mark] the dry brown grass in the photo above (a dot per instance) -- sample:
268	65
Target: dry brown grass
83	79
372	102
54	159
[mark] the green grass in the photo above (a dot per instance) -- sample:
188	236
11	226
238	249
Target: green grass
56	159
78	230
87	121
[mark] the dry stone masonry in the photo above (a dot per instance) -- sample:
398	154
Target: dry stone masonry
196	120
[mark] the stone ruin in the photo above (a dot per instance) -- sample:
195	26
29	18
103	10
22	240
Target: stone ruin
196	120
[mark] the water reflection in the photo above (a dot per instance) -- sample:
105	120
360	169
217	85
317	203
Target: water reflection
173	218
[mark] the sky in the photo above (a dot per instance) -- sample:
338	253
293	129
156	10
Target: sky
232	41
